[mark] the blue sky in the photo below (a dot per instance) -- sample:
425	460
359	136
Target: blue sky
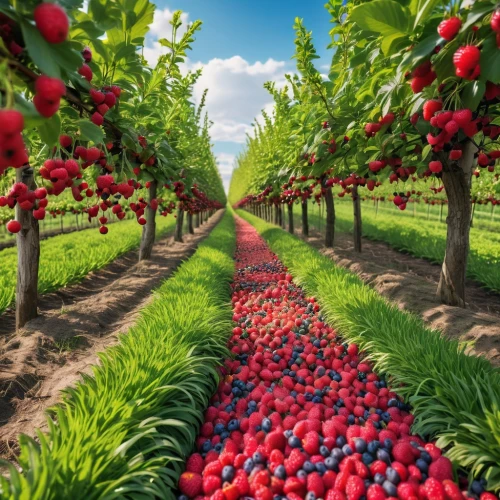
242	44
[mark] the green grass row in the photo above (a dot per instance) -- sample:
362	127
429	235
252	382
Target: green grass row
126	431
68	258
419	237
455	397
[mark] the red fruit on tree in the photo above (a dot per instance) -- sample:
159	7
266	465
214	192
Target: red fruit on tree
12	122
430	108
455	154
13	226
449	28
495	21
435	167
103	230
65	141
52	22
465	60
86	72
97	119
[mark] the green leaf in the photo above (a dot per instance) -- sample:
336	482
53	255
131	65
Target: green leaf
421	51
386	17
40	50
90	131
424	8
490	60
426	151
50	130
389	42
472	94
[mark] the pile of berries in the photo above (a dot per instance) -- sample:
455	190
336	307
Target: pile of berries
299	414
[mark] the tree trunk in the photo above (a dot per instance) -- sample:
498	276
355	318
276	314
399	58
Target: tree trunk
356	202
330	218
282	217
472	215
441	212
276	214
190	223
207	215
28	257
457	182
305	220
178	225
197	220
290	218
149	229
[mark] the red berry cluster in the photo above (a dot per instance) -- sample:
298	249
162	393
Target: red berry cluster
422	76
298	414
103	101
12	148
401	199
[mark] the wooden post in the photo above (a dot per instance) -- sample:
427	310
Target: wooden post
356	202
441	212
330	218
305	220
28	256
149	229
178	225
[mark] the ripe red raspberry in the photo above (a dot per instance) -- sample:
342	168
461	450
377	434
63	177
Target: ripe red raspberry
315	484
39	213
12	122
434	489
97	96
87	54
52	22
310	443
211	483
13	226
465	60
86	72
48	95
463	117
430	108
495	21
435	167
376	492
441	469
449	28
455	154
65	141
110	99
97	119
102	109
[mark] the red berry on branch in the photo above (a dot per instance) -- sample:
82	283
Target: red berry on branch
13	226
435	167
449	28
87	54
495	21
52	22
86	72
466	59
65	141
97	119
12	122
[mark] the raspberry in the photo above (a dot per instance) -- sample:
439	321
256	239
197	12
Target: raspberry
52	22
449	28
241	482
441	469
465	60
434	489
275	441
86	72
431	108
191	484
495	21
65	141
336	495
12	122
97	96
211	483
355	488
452	491
403	451
110	99
92	154
315	484
102	109
372	128
13	226
310	443
48	95
463	117
97	119
375	492
39	213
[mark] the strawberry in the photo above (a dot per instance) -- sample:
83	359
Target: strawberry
195	463
434	489
191	484
211	483
430	108
449	28
441	469
452	491
52	22
466	59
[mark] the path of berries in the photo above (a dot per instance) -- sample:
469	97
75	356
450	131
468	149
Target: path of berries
299	414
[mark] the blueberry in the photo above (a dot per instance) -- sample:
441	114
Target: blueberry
477	487
379	478
317	399
424	455
294	442
360	445
388	444
308	396
386	417
310	495
351	419
219	428
367	458
341	441
324	451
280	472
373	446
422	465
392	402
309	467
248	465
266	425
218	447
257	457
182	497
390	489
384	456
392	475
321	468
288	433
302	474
228	473
292	373
321	371
224	435
233	425
331	464
207	446
337	454
347	450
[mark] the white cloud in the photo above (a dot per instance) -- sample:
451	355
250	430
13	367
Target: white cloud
236	94
226	162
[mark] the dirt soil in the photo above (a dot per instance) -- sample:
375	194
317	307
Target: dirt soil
76	323
411	283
